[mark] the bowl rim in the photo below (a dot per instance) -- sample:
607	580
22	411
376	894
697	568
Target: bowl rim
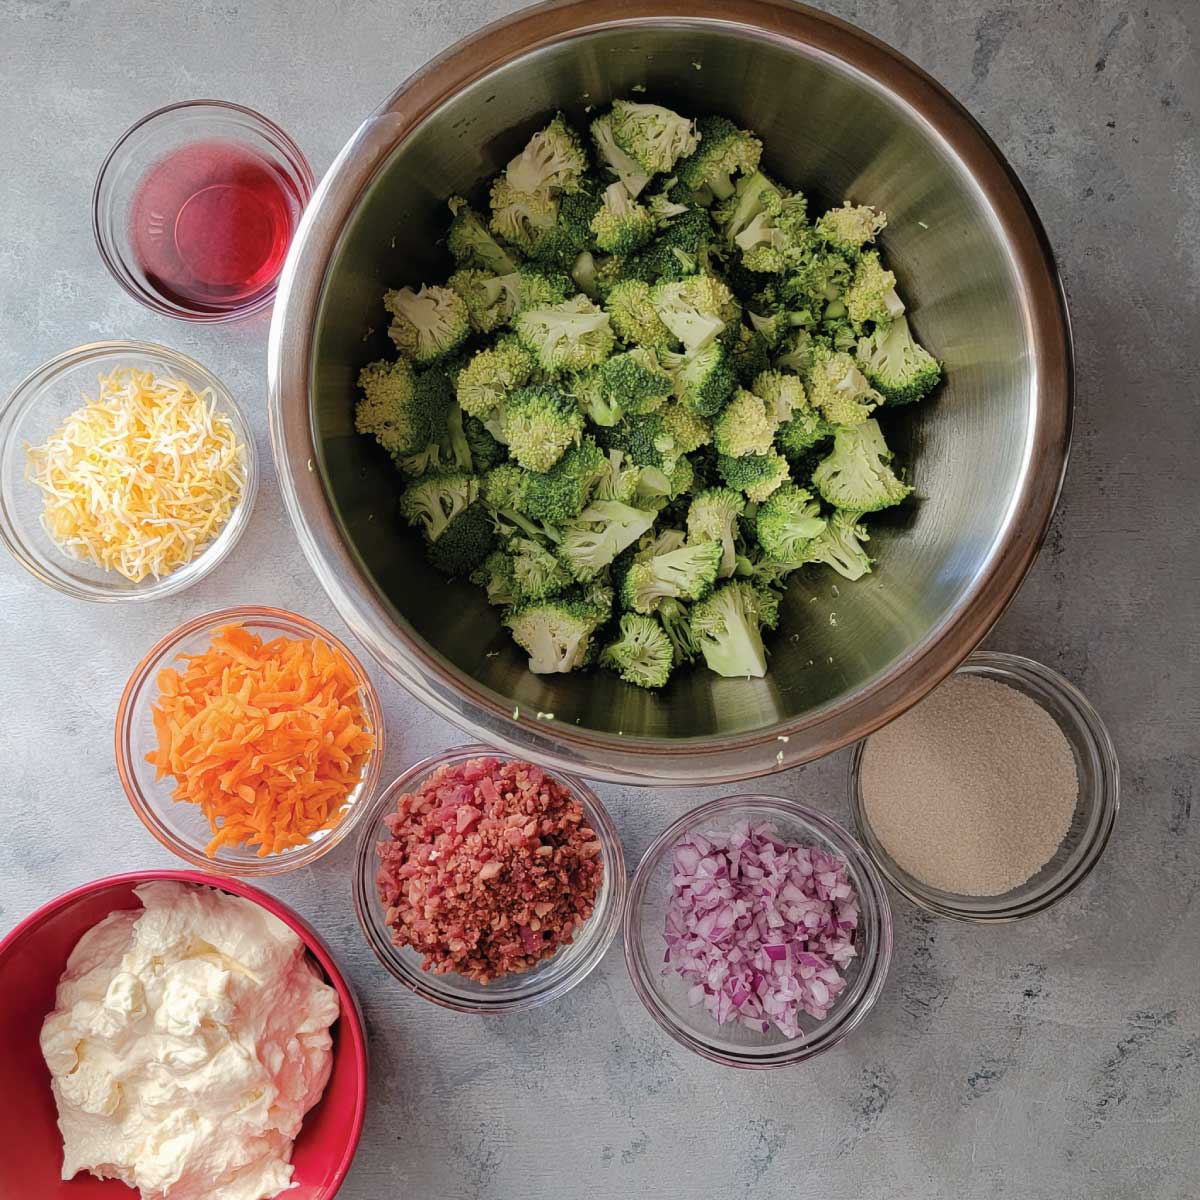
992	910
26	396
834	833
132	698
449	691
608	921
351	1009
111	258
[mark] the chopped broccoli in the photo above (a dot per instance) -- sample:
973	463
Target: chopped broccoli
561	493
486	452
389	409
786	522
726	627
427	324
687	430
536	573
838	389
433	501
467	540
504	488
696	309
749	354
643	654
521	218
744	426
629	382
754	195
653	136
626	168
538	423
758	475
617	481
714	514
897	365
724	151
555	633
491	375
840	546
849	228
560	244
676	620
680	249
490	299
553	159
470	243
776	238
495	576
634	316
871	295
686	573
621	225
857	474
782	391
599	534
703	380
570	336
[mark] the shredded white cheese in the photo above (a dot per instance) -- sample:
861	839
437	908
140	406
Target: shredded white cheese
142	478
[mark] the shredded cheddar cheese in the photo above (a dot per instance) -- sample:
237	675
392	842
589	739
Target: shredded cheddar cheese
142	478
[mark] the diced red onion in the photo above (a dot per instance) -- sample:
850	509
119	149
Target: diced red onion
757	928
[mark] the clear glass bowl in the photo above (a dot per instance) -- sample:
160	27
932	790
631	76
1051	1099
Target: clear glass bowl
148	143
1095	809
552	977
665	995
181	826
38	407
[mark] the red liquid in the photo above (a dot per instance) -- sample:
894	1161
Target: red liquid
210	225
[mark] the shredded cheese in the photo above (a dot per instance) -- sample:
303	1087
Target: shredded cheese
142	478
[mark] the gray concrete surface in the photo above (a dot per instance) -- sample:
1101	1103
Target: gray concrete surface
1059	1058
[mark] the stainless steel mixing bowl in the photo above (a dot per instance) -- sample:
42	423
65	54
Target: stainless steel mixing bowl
841	116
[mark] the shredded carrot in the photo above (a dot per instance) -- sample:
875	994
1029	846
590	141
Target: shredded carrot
268	738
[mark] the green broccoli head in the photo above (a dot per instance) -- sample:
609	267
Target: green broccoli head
624	166
485	451
653	136
495	576
427	324
696	310
539	285
681	248
634	317
838	389
558	246
839	546
521	218
536	573
744	426
538	423
871	295
857	475
570	336
687	430
726	627
599	534
642	654
685	573
758	475
503	489
490	299
556	633
467	540
713	514
754	196
849	228
703	380
553	160
389	410
621	225
724	151
618	480
777	238
634	382
561	493
434	500
897	365
491	375
782	391
749	354
786	522
470	243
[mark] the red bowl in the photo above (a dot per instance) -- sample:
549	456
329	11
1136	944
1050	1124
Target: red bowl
34	955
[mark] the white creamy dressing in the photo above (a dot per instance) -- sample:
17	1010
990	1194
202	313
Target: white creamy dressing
187	1043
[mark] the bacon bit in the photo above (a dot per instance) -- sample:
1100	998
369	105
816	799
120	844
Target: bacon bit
269	739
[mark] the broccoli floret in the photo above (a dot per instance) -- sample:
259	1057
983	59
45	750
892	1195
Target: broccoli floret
798	435
389	409
838	389
724	151
470	243
622	165
553	160
539	285
555	633
538	423
754	195
726	628
776	239
617	481
657	486
653	136
486	452
687	431
560	244
644	438
521	218
427	324
679	250
713	514
749	354
570	336
490	299
676	619
857	474
599	534
744	426
897	365
585	275
703	380
665	205
840	546
758	475
491	375
504	488
686	573
783	392
621	224
630	382
467	540
433	501
560	494
643	654
634	316
797	353
536	573
849	228
695	310
871	295
495	576
786	522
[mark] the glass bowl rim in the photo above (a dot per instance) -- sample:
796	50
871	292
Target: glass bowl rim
877	962
602	926
998	665
31	389
297	161
133	698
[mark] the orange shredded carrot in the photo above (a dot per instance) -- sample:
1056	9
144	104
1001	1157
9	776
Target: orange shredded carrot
269	738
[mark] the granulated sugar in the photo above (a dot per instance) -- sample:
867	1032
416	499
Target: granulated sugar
973	790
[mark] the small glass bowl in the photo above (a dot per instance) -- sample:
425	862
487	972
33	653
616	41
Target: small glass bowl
552	977
38	407
181	826
149	142
665	995
1095	809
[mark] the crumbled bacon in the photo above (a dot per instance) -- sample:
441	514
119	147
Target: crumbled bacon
491	868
